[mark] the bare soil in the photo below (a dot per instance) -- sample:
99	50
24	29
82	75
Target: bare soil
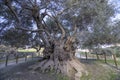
21	72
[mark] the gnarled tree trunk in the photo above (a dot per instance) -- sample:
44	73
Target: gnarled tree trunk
60	57
58	54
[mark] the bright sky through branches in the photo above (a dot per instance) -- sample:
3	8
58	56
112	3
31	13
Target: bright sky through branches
116	3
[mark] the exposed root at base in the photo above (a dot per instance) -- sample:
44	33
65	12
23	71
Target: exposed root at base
73	69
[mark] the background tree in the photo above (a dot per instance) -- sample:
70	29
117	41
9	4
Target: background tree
16	38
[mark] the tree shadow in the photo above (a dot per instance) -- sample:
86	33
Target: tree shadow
113	66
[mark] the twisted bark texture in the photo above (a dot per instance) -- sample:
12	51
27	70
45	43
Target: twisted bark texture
60	57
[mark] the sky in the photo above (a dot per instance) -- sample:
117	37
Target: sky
116	3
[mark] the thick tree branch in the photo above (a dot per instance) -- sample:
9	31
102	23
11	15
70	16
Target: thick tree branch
62	29
61	12
75	30
59	25
2	29
37	30
7	3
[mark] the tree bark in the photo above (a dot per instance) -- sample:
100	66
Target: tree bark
6	61
60	57
86	55
115	61
105	58
97	56
16	59
25	55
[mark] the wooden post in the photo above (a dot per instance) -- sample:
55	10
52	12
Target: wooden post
39	53
105	58
6	61
32	55
93	56
86	55
97	56
25	57
80	55
115	61
17	59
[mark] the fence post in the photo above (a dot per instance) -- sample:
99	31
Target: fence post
32	55
115	61
39	53
6	61
97	56
86	55
105	58
17	59
25	56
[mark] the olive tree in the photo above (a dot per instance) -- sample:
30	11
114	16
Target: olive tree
57	22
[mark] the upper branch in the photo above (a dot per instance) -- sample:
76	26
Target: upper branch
37	30
7	3
59	25
75	30
62	29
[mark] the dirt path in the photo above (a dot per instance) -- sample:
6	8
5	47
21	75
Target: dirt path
21	72
13	62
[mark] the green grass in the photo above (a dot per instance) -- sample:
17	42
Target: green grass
86	77
27	50
113	75
81	52
2	51
2	60
110	61
61	77
100	73
58	76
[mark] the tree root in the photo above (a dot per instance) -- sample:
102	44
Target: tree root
71	68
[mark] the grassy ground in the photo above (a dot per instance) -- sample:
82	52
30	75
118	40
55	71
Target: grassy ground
110	61
27	50
99	71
